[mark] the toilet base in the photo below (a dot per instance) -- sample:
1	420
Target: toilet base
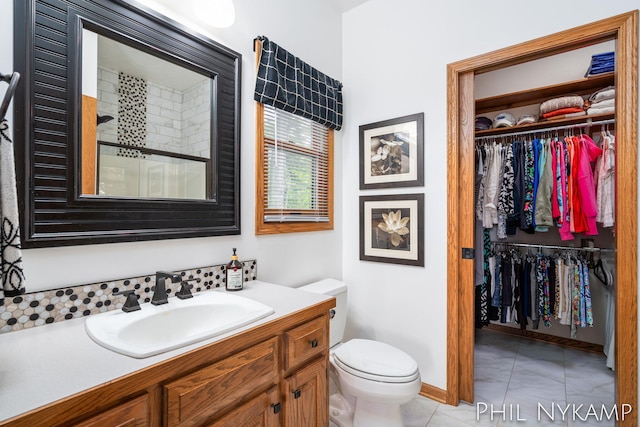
350	412
375	414
341	410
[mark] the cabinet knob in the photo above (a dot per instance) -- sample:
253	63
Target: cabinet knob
313	342
296	393
276	407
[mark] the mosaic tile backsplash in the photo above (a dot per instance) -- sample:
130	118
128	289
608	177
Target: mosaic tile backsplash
45	307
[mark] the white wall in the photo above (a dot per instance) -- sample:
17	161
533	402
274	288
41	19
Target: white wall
309	30
6	48
394	64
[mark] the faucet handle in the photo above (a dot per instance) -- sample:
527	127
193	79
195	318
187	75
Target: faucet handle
185	289
131	301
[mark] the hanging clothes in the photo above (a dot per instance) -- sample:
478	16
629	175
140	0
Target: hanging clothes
567	190
10	245
482	154
541	288
604	273
492	186
483	289
566	183
513	220
543	216
589	153
483	240
605	178
529	174
506	203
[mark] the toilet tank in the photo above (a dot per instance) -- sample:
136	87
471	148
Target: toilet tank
338	290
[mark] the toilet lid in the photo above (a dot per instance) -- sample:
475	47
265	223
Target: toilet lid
376	361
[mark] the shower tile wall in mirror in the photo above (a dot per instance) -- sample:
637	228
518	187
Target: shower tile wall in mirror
45	307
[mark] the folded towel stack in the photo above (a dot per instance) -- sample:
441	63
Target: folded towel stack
562	107
601	63
602	101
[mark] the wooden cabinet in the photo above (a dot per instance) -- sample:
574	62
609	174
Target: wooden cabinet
305	388
272	375
304	342
195	398
264	410
134	413
306	396
242	389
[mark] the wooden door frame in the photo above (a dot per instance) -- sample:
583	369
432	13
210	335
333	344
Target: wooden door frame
460	207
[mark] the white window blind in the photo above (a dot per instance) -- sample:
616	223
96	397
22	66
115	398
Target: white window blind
296	169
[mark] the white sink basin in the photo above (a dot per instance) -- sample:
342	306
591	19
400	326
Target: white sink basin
156	329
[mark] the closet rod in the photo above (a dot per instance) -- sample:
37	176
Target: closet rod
540	246
551	129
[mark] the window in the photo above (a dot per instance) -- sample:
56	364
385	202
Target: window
298	109
294	176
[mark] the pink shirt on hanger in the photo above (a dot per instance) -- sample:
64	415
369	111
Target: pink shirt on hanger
589	152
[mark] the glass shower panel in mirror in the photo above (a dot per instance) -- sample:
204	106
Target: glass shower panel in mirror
135	174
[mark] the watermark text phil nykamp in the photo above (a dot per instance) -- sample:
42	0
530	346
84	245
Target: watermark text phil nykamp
554	411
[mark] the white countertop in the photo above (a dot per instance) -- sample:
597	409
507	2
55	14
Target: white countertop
46	363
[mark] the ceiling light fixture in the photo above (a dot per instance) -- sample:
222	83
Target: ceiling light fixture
215	13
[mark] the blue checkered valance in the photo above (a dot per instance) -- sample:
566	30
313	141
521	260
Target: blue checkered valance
288	83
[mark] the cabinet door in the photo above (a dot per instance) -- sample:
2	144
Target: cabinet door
196	398
307	396
134	413
305	342
261	411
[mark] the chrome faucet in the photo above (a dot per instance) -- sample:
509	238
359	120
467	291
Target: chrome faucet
160	292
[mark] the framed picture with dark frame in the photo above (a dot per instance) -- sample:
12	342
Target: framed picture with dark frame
392	153
392	229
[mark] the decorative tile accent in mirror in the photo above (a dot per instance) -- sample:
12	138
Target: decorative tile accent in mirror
45	307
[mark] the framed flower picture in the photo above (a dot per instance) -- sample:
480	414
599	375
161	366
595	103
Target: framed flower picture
391	153
392	229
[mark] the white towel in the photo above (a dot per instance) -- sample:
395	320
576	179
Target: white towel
602	110
10	245
605	103
603	94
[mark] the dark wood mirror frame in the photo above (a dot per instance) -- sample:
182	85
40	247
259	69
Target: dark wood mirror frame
47	127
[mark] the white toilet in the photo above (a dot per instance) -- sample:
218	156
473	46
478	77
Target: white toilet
373	378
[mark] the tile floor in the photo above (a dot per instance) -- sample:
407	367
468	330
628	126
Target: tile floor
523	375
520	373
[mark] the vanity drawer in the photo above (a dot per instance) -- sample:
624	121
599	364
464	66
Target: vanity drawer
132	413
305	342
193	399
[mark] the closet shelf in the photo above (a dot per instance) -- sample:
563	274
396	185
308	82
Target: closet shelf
581	87
582	121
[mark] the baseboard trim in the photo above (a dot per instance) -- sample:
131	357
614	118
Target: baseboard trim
433	393
552	339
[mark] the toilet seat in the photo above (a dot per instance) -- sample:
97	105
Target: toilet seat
376	361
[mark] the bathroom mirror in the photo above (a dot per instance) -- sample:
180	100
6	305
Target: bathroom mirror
126	127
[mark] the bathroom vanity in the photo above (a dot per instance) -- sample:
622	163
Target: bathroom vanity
273	372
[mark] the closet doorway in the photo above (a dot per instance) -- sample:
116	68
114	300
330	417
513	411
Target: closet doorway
623	29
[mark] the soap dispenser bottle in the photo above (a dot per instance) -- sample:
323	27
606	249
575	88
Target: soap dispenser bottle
234	273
